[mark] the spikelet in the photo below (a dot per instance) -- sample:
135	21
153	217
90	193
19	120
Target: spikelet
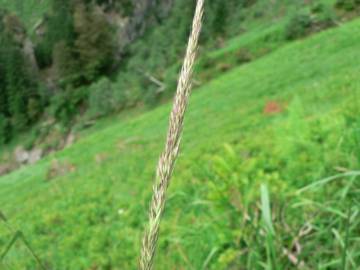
168	157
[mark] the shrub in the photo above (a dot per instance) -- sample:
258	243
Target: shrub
325	18
101	100
317	7
243	55
303	24
234	178
67	104
128	90
298	26
347	5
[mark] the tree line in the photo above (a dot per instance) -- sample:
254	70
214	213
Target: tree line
78	68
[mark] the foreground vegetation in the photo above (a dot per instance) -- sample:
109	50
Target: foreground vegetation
268	177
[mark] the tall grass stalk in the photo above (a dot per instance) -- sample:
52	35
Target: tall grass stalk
169	156
18	235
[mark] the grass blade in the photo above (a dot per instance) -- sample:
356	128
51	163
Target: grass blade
266	210
346	243
269	228
327	180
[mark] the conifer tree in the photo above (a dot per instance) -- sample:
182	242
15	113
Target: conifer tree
18	88
94	44
59	28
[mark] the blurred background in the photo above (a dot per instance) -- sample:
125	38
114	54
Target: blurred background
268	176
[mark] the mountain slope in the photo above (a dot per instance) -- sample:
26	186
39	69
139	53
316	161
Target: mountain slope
85	207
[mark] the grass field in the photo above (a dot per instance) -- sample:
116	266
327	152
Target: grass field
304	152
30	11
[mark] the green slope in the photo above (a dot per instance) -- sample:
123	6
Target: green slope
92	216
30	11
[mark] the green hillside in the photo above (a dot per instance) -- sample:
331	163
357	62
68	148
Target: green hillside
30	11
287	121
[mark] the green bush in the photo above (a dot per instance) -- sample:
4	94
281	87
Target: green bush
325	18
67	104
104	98
293	155
128	89
347	5
298	26
303	24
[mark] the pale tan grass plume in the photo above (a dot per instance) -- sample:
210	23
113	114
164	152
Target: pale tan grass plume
168	157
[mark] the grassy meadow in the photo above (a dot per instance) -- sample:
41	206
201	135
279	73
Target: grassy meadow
30	11
268	176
